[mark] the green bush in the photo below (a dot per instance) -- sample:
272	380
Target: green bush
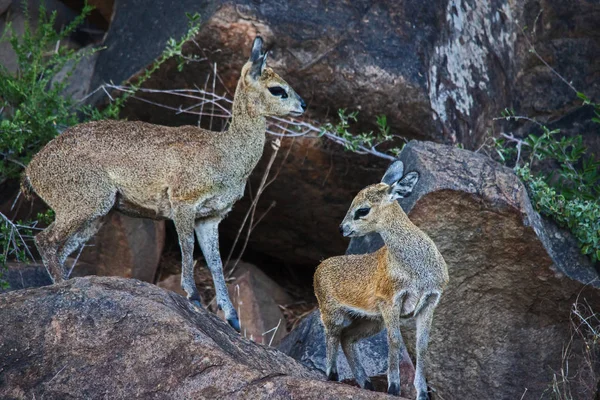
32	109
570	192
362	142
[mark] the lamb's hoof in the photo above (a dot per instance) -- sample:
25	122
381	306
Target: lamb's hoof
333	376
369	385
234	322
394	389
423	396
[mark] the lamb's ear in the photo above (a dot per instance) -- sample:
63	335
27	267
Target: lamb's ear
393	173
404	186
257	58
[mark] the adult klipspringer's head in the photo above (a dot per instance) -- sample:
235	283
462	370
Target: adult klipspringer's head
267	93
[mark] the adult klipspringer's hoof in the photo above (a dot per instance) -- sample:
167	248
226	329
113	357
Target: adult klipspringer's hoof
333	376
235	324
423	396
234	321
394	389
369	385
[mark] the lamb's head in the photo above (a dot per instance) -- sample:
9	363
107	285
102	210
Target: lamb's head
365	213
267	94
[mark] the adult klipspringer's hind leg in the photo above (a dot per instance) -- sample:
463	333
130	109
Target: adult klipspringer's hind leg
60	236
48	252
76	205
424	319
358	329
79	238
207	231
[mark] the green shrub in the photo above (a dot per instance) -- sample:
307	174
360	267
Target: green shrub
362	142
33	108
570	192
33	111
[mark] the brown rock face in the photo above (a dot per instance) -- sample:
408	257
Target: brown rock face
256	298
96	337
504	320
127	247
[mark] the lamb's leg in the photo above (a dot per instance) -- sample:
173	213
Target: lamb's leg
207	231
391	317
424	319
332	344
358	329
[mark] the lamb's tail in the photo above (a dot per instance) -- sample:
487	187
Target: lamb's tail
26	187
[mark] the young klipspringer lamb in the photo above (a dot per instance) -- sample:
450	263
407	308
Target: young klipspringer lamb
187	174
359	295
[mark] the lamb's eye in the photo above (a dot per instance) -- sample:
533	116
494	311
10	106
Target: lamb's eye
278	91
361	212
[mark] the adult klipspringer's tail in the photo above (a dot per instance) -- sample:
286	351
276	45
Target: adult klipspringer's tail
26	187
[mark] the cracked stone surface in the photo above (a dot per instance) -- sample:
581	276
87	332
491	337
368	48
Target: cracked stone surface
98	337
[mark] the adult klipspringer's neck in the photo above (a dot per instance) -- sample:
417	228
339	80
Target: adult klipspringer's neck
245	121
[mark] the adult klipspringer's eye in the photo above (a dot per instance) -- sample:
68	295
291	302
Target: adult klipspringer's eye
278	91
361	212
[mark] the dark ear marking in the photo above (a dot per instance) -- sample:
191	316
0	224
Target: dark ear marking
256	49
404	187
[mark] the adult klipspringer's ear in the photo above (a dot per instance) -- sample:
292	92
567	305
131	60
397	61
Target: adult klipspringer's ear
393	173
404	187
258	58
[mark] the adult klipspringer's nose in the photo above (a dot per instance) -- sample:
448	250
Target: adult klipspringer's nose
302	104
342	229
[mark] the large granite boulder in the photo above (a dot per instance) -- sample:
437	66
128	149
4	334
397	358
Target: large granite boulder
505	319
440	71
98	337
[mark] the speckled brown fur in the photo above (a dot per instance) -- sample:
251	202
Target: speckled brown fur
403	279
187	174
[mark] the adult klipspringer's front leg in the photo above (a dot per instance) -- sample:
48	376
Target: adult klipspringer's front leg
183	217
207	231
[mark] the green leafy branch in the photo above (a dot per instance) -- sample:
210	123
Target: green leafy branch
362	142
568	193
